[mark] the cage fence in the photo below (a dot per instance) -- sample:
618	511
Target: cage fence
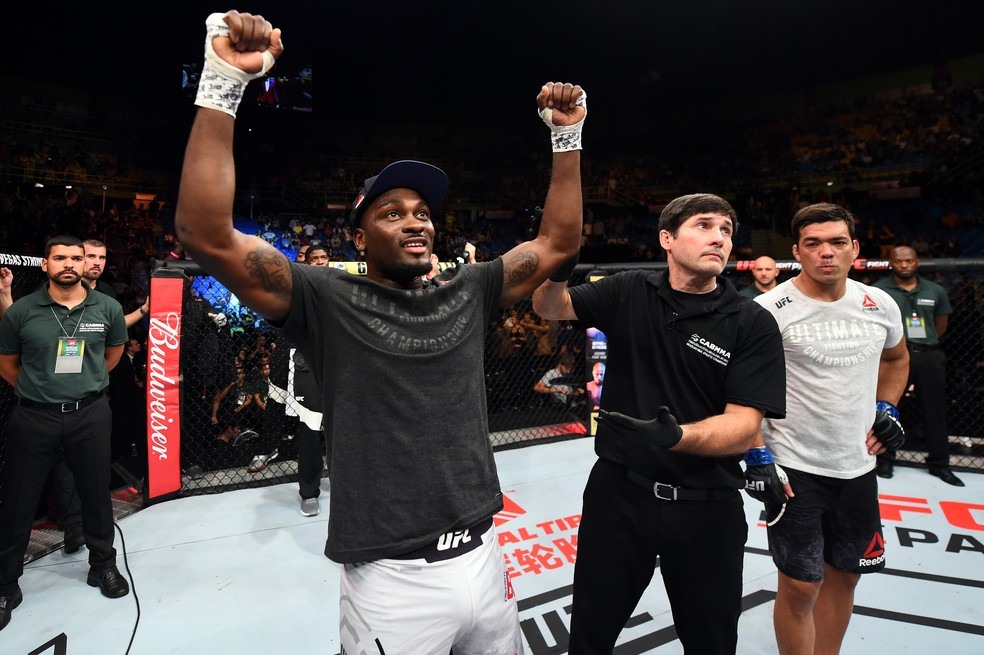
239	412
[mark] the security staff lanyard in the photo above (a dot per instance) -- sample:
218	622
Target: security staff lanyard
68	358
915	325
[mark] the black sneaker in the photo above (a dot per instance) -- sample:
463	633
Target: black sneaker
7	605
109	581
74	538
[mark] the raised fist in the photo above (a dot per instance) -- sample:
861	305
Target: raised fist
562	105
243	39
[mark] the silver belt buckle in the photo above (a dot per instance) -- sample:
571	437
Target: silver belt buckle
658	486
72	406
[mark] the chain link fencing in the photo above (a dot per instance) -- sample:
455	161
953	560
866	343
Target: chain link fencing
238	403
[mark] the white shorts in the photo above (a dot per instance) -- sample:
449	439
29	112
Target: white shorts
416	607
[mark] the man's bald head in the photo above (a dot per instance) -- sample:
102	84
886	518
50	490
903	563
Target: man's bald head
765	273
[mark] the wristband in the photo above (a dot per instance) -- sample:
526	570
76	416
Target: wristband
221	84
143	311
888	408
565	138
758	457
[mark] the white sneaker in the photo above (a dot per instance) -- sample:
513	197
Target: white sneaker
260	462
309	506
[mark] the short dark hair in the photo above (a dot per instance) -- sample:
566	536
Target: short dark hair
821	212
95	243
62	240
312	249
682	208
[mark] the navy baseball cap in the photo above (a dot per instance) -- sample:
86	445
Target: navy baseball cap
426	179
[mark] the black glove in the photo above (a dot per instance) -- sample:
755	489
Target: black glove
764	478
662	431
887	428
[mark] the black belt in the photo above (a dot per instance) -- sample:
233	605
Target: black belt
61	408
664	491
451	544
921	347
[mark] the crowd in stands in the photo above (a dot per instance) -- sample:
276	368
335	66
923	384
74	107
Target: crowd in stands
922	147
908	164
927	138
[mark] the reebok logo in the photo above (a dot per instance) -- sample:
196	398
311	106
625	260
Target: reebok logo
510	510
875	553
868	304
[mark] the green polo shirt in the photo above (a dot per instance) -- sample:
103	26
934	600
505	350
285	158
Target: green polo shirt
751	291
30	329
928	300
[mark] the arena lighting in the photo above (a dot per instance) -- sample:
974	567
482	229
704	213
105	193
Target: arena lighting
38	185
68	186
830	184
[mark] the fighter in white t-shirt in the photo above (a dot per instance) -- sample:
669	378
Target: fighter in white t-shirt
846	368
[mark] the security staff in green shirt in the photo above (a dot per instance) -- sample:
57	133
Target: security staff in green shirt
925	313
57	346
764	274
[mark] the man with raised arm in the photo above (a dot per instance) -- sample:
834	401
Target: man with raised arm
414	486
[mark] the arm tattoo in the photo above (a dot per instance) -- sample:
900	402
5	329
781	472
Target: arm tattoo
520	268
272	269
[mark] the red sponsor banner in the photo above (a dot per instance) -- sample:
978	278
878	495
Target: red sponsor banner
554	542
163	397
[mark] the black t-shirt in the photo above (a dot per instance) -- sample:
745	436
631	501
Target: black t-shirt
403	391
692	353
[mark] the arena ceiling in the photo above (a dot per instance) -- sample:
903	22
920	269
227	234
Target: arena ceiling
437	58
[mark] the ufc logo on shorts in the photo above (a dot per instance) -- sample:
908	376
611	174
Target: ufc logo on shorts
450	540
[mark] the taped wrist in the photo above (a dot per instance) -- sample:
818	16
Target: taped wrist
565	138
758	456
221	84
888	408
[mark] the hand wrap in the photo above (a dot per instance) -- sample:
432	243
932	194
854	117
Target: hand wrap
565	138
886	427
221	84
764	479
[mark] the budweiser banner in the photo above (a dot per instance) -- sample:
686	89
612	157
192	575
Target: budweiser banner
163	394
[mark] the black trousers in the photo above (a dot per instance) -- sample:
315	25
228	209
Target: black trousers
309	465
927	371
63	486
33	441
700	550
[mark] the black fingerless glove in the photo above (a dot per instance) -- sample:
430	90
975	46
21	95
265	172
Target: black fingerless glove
886	427
764	479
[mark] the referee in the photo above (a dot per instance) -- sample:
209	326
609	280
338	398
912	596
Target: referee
57	346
